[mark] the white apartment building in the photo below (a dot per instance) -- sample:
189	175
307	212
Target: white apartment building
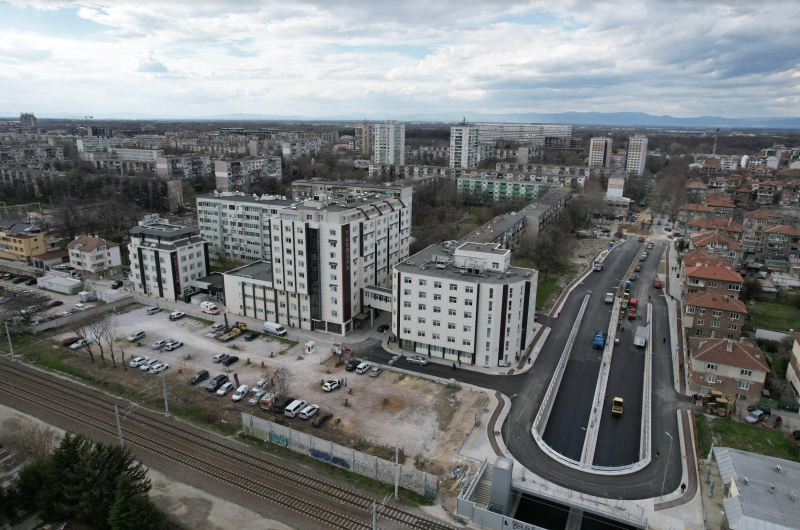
464	302
637	155
321	262
138	155
464	149
240	174
165	258
96	145
389	143
600	152
532	133
184	167
94	257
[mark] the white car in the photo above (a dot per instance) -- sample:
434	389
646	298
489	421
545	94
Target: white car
145	366
137	362
416	359
363	367
309	411
153	310
177	315
256	397
224	389
158	368
173	345
80	307
331	385
240	392
216	328
261	385
218	358
136	335
81	343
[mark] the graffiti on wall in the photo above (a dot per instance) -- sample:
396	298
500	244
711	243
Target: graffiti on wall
326	457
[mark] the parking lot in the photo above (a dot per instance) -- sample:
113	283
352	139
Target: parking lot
420	415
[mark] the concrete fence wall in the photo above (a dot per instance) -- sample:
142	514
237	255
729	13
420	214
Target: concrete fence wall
769	334
338	455
83	315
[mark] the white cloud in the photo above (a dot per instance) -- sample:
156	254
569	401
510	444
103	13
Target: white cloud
312	57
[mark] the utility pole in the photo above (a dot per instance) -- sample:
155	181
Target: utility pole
10	346
396	470
119	426
164	382
374	517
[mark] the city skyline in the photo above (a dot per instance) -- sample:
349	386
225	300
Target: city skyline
314	59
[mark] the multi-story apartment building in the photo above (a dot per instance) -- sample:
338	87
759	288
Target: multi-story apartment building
185	167
726	365
725	226
363	139
717	277
600	152
524	133
98	145
464	303
30	154
714	315
689	212
464	152
22	175
793	370
780	242
757	221
389	143
617	208
790	194
94	257
637	155
21	241
241	173
137	155
28	121
324	260
717	244
165	258
342	189
502	189
547	211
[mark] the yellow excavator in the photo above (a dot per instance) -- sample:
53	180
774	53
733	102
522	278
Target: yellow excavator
715	402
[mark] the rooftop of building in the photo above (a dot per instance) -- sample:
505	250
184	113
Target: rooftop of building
728	352
708	238
716	301
424	263
716	223
155	226
764	485
259	270
88	243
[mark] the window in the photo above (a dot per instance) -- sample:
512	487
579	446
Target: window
467	329
435	336
451	312
407	280
421	307
715	323
467	314
690	310
712	283
495	265
406	331
437	297
453	287
466	342
450	325
744	385
406	292
423	283
451	339
469	290
468	302
748	373
406	304
733	327
437	323
711	366
701	322
407	318
702	311
420	333
491	293
453	300
734	316
437	309
711	378
334	301
717	314
437	285
423	295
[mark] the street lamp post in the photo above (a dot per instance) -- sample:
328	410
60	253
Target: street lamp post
669	452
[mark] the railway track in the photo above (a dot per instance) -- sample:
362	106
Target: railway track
14	377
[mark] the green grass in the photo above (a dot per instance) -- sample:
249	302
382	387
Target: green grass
780	315
545	291
203	320
743	436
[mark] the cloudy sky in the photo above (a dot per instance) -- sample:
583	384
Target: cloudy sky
326	58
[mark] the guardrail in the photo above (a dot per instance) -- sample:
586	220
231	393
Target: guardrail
647	395
543	415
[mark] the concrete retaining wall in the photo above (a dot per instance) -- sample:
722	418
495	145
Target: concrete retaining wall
769	334
83	315
338	455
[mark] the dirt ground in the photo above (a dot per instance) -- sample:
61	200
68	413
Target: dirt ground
428	420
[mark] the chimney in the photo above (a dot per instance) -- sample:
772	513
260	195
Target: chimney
725	298
729	347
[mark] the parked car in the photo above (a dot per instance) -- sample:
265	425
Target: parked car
394	359
633	277
240	393
309	411
157	345
417	359
68	312
177	315
217	382
216	328
80	307
158	368
251	335
26	292
225	389
375	372
69	341
138	361
19	280
173	345
148	364
218	358
81	343
136	335
55	303
262	384
363	367
331	385
3	299
763	408
153	310
637	269
755	416
352	364
32	281
256	397
384	327
7	276
116	285
230	360
30	310
772	422
202	375
319	422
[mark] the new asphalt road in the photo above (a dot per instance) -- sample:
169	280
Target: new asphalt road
618	441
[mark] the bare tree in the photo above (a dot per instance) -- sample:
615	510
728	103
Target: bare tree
284	377
81	329
110	335
27	438
19	310
97	328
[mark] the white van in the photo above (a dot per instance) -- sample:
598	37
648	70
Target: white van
209	307
274	329
294	408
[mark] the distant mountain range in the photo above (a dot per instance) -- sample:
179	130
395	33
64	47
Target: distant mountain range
622	119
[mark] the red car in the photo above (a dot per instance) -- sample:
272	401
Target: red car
772	422
676	234
69	341
638	269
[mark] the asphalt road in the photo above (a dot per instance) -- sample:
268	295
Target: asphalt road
528	389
